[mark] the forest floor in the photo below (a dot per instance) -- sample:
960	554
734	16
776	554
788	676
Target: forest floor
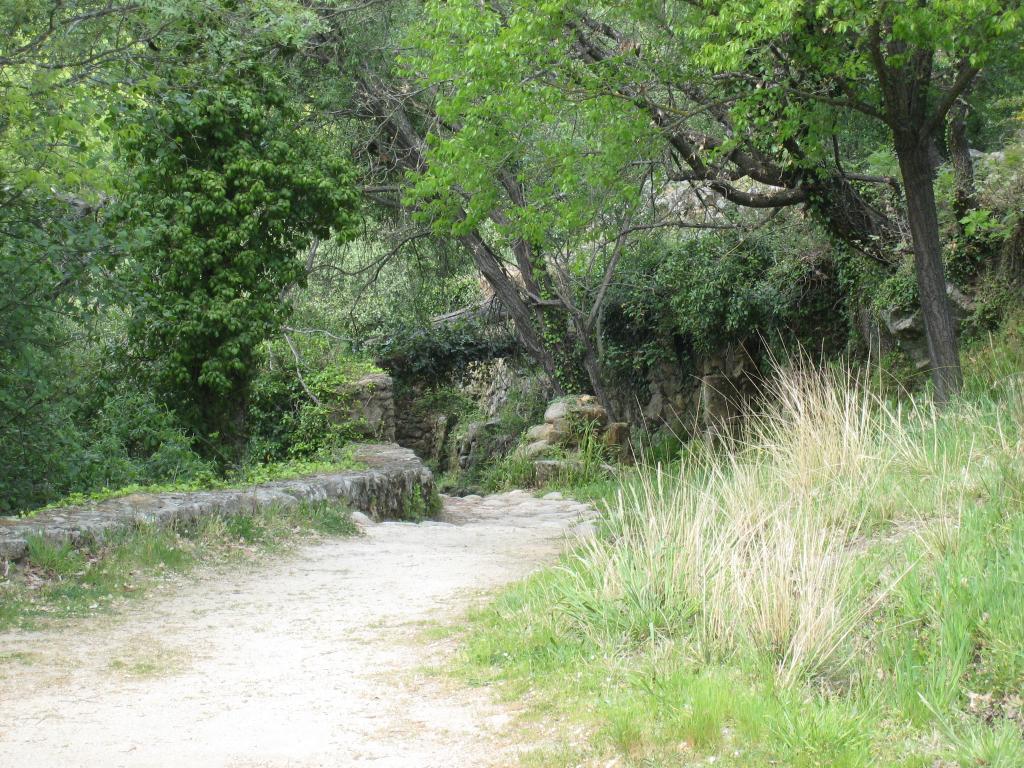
325	657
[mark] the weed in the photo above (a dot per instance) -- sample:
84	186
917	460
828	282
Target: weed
58	560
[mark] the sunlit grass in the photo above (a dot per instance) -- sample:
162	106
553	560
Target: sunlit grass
839	585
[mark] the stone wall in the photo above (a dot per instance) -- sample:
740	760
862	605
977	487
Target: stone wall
710	395
368	406
384	489
426	433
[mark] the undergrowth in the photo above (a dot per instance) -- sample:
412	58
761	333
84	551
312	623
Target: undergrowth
841	585
59	581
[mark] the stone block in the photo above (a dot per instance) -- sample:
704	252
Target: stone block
536	448
581	408
550	470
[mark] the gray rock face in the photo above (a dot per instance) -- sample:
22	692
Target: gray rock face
550	470
906	327
427	434
480	443
369	404
382	490
582	408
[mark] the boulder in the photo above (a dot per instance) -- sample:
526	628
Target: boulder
907	326
581	408
616	434
536	448
616	439
368	403
540	432
426	433
556	411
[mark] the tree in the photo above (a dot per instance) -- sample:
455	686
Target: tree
902	64
228	190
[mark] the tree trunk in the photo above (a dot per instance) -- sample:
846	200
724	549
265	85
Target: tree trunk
940	328
1011	259
965	195
507	292
592	365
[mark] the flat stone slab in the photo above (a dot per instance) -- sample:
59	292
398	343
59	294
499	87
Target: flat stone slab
381	491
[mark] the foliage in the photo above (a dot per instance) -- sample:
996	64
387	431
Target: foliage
442	353
417	506
285	421
225	195
684	299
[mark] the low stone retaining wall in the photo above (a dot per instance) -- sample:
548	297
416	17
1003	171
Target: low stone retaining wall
383	490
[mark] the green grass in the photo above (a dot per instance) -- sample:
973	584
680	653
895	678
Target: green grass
842	585
58	582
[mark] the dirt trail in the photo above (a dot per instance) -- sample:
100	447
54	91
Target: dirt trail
313	660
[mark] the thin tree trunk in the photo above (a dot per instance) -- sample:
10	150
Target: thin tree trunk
592	365
965	197
507	292
940	328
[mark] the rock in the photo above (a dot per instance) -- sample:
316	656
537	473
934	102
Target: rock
616	439
581	408
549	470
553	496
907	326
481	442
616	435
717	404
585	530
536	448
361	519
369	405
426	433
542	432
559	409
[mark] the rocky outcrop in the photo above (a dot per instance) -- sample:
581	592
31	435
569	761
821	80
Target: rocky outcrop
494	385
392	482
480	443
567	420
706	399
906	327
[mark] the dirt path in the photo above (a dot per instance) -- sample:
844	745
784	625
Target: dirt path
314	660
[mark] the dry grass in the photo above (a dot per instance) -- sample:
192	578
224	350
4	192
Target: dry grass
751	542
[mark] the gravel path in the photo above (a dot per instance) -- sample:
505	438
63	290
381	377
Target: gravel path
316	659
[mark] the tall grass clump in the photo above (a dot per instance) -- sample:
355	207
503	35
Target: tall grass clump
750	545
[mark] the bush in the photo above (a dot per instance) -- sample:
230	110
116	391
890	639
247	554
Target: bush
438	355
